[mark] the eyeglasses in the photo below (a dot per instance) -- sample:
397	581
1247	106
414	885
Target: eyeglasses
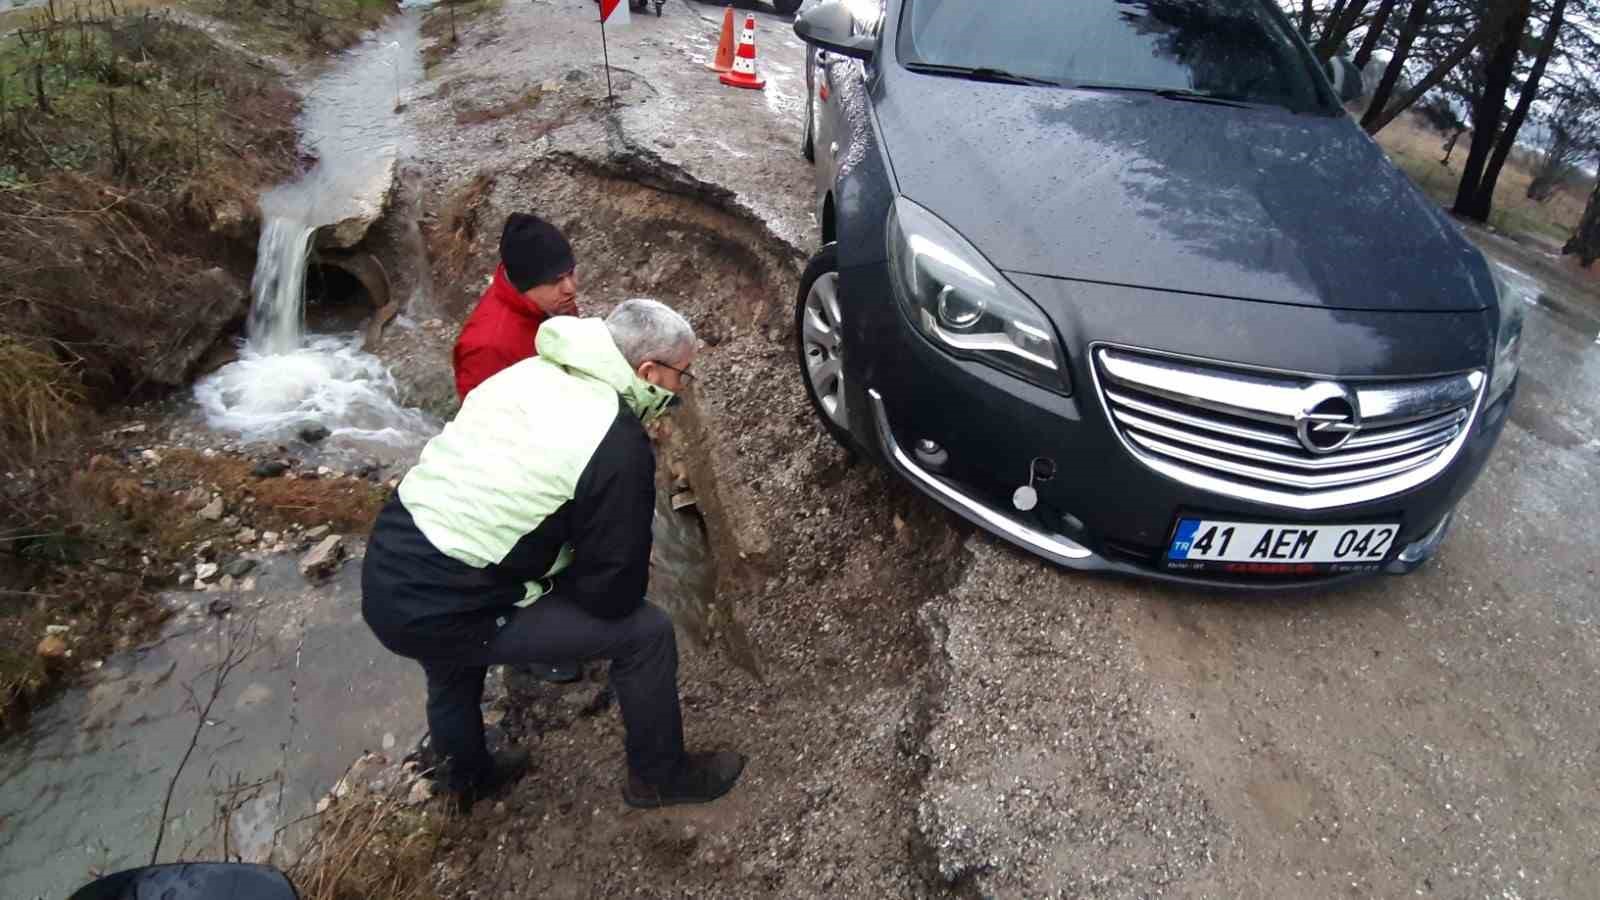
683	374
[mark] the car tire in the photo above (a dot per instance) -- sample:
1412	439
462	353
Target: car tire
785	7
819	340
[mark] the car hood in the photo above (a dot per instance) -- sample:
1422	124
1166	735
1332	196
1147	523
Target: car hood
1134	189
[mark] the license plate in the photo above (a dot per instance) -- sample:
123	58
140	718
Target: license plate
1260	548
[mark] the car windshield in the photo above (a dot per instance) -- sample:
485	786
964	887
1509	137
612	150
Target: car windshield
1240	50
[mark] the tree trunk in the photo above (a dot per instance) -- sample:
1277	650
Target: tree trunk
1530	90
1380	21
1487	112
1340	24
1397	64
1306	17
1377	117
1586	240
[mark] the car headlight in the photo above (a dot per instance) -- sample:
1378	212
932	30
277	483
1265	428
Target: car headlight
1507	337
963	304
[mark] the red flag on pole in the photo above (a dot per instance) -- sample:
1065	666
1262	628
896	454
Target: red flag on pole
607	7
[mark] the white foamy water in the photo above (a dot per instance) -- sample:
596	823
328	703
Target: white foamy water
330	381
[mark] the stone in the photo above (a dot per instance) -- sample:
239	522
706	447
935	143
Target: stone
196	497
317	533
230	521
52	647
245	536
205	571
271	468
56	629
324	472
363	206
212	511
240	567
421	792
185	579
324	804
388	740
226	582
314	434
247	585
322	559
206	550
201	309
269	537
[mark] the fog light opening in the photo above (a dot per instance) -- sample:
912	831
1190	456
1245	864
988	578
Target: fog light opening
930	454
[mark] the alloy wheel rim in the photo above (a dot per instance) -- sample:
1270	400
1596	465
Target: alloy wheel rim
822	342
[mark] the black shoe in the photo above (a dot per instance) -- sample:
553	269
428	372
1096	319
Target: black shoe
558	673
701	778
508	766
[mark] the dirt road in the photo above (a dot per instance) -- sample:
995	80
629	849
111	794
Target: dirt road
937	714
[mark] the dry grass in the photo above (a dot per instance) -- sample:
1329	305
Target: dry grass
1417	149
369	847
443	36
346	504
39	395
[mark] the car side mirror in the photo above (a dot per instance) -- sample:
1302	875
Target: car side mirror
1348	81
827	25
191	881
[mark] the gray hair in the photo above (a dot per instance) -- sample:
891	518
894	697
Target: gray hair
646	330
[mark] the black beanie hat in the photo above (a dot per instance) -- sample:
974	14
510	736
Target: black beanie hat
534	251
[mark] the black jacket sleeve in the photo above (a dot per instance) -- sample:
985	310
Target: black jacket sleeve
612	513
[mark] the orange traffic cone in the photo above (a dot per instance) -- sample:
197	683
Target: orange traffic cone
744	61
724	60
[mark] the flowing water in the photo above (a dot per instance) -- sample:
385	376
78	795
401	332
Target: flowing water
285	380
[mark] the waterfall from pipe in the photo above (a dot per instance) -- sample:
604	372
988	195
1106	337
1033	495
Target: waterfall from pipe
285	379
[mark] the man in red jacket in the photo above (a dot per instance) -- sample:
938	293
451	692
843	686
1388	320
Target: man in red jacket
536	280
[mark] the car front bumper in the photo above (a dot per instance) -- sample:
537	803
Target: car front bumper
1103	510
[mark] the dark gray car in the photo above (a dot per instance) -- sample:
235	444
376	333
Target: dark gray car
1122	283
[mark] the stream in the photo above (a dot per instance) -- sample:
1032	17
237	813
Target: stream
309	689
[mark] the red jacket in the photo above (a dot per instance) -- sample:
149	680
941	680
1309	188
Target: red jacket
499	333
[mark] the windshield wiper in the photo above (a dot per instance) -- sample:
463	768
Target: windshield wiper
1181	94
979	73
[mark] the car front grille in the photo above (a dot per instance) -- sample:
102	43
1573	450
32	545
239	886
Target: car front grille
1284	439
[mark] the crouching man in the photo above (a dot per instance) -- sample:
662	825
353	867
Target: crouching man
523	536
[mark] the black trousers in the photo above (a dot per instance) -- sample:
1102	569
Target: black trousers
643	651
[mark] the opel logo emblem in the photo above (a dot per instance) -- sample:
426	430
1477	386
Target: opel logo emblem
1328	419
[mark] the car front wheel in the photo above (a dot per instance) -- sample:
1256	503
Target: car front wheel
819	336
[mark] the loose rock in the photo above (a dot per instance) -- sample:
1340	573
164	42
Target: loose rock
271	468
314	434
212	511
317	533
52	647
323	558
240	567
205	571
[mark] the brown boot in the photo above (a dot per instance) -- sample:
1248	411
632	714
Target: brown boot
700	778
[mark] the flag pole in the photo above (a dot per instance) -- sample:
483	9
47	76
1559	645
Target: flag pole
606	53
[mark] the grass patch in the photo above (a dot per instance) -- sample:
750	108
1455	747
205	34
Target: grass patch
298	29
443	26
